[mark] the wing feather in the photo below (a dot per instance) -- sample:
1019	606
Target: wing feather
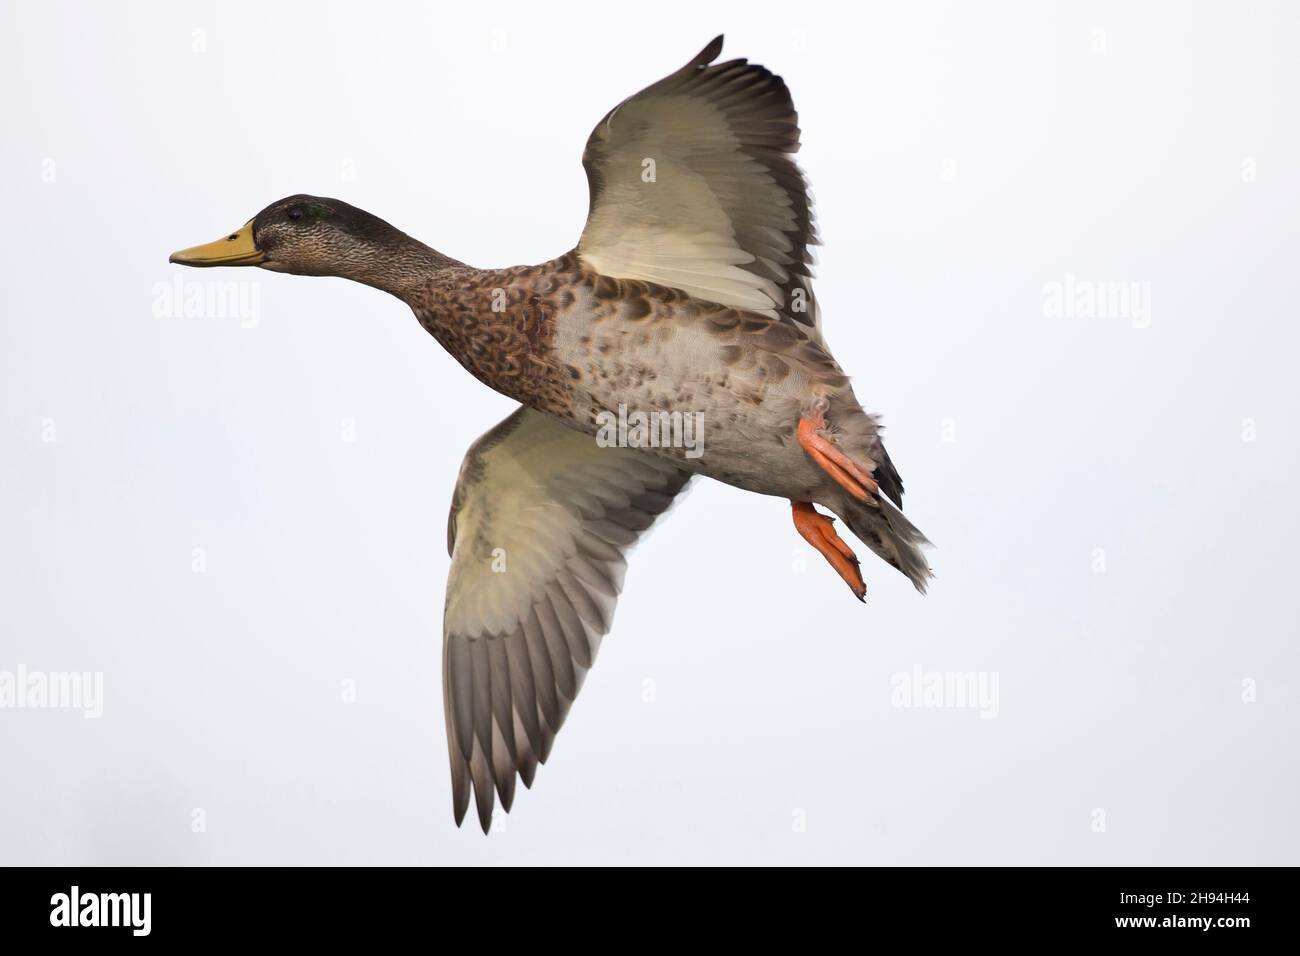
694	186
541	518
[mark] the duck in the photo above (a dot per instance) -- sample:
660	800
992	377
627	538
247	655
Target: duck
687	299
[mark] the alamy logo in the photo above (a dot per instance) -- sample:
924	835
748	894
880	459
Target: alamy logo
180	299
653	429
1088	299
62	690
102	909
974	690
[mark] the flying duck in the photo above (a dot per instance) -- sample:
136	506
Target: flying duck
687	299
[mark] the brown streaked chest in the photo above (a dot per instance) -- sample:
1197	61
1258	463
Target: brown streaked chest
502	326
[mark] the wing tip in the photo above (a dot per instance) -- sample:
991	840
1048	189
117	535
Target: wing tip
710	52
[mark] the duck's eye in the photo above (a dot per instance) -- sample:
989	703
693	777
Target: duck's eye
295	212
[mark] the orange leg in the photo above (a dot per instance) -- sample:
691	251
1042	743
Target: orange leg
817	529
847	473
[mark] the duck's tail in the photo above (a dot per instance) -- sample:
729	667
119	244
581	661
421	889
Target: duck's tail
883	529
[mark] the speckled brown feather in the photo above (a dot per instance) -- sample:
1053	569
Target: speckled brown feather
503	325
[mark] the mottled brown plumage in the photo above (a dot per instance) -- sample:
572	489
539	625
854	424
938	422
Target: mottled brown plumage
504	326
501	325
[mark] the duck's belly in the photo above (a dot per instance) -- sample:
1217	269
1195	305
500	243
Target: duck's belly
714	393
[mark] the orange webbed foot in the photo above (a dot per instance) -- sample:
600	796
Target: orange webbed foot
847	473
819	531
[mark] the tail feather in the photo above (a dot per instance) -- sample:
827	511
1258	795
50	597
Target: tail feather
890	535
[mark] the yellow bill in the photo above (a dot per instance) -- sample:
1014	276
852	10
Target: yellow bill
236	249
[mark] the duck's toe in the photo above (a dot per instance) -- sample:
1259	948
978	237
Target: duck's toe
819	531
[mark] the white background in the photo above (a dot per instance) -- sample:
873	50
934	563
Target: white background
963	157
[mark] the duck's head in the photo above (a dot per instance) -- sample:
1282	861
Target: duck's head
314	236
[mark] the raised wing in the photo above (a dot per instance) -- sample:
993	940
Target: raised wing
694	186
540	521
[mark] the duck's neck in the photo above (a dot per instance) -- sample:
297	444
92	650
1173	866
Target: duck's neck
401	266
